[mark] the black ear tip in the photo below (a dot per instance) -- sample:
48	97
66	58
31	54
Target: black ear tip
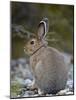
45	19
41	23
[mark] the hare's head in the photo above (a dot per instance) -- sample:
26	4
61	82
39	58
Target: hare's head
39	40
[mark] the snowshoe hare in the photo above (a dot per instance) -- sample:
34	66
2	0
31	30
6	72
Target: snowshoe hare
47	64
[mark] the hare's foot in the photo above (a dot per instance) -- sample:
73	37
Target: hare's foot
41	93
33	85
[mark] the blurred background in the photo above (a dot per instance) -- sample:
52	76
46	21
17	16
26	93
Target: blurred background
25	18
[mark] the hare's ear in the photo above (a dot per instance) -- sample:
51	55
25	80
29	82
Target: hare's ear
42	28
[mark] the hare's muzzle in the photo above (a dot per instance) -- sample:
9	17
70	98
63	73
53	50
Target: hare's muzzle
27	51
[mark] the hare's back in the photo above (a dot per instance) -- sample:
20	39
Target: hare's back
54	58
54	55
54	70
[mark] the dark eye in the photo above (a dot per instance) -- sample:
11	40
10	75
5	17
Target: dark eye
32	42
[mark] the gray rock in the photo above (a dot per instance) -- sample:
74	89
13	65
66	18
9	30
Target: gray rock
21	61
68	93
28	94
70	84
63	92
28	82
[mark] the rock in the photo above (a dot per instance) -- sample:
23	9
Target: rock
20	71
28	82
70	80
62	92
28	94
70	84
13	65
36	95
67	58
48	94
21	61
68	93
20	81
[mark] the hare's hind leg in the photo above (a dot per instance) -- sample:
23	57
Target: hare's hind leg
34	86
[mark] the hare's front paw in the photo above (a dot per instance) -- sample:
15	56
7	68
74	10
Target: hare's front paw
40	92
33	85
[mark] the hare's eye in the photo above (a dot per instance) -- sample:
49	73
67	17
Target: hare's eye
32	42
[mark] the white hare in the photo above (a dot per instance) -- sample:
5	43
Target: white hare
47	64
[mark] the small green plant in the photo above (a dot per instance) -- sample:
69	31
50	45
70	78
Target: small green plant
15	89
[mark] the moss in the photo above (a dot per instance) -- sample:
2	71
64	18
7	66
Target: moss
15	89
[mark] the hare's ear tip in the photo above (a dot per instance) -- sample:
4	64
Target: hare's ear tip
45	19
